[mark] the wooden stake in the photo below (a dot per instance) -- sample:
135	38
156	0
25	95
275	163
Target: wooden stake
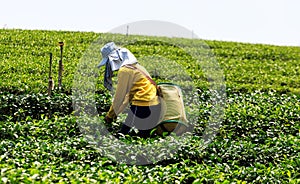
60	67
50	80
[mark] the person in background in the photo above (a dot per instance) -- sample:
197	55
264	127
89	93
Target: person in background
133	89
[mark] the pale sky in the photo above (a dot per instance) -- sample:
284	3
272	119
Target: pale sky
252	21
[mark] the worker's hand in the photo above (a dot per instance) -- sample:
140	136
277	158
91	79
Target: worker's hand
108	119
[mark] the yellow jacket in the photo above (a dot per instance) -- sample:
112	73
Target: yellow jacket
134	88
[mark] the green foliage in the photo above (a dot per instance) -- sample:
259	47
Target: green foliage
247	67
42	141
258	142
19	107
25	58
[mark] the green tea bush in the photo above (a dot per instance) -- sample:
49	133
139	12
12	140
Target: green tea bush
41	140
247	67
19	107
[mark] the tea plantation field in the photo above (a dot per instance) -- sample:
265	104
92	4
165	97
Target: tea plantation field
258	140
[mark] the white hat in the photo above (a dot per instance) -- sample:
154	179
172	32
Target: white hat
109	53
120	57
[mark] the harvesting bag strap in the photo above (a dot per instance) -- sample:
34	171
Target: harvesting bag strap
147	76
158	92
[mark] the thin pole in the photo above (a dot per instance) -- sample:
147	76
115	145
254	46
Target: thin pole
50	80
50	84
60	67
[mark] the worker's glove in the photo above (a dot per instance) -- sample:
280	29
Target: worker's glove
108	119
